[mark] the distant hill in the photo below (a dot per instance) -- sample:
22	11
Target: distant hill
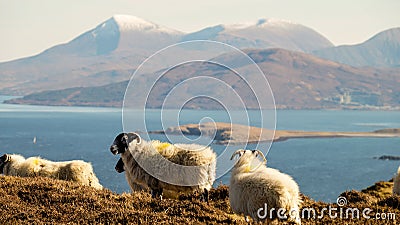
89	69
112	51
382	50
110	95
298	81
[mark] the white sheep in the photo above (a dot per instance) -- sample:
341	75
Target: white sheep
260	192
158	166
396	183
76	170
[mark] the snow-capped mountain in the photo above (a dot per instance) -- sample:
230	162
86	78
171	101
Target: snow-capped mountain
111	51
108	53
121	33
139	34
265	33
382	50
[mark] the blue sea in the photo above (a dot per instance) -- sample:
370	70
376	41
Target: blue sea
323	168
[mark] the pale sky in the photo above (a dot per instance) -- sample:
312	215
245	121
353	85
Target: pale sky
28	27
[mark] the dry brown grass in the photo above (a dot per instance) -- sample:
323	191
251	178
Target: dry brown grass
48	201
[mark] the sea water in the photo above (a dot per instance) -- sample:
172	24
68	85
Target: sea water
323	168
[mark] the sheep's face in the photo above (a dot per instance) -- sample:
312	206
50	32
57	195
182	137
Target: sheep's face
121	142
3	161
120	166
247	158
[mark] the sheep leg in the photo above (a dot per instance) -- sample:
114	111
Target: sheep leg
204	195
155	193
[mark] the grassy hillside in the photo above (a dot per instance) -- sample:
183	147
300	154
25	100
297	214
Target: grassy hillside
48	201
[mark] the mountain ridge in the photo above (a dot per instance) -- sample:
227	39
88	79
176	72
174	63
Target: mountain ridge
120	43
110	52
264	33
298	81
381	50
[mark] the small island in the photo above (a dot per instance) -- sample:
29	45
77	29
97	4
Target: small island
388	157
226	133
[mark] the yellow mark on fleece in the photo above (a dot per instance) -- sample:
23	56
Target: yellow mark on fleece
161	146
36	162
250	168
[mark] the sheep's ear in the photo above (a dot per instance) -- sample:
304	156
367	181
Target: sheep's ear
256	152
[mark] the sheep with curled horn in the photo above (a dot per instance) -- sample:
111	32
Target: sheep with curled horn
160	166
255	189
75	170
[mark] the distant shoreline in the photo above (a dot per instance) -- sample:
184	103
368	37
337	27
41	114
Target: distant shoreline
21	101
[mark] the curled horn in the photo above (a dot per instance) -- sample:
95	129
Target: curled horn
258	152
262	154
135	136
129	137
237	152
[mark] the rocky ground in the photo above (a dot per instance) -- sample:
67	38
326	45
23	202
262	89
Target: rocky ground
48	201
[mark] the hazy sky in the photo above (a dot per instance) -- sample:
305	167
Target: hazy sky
30	26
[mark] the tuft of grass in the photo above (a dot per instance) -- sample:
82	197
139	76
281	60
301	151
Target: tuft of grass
381	189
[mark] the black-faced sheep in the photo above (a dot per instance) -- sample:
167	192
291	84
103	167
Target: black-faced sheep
255	190
396	183
76	170
178	168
